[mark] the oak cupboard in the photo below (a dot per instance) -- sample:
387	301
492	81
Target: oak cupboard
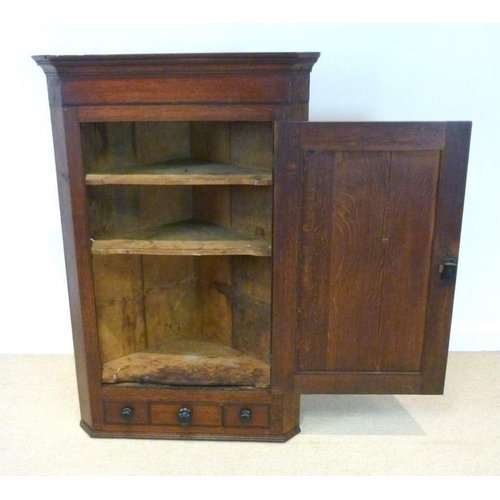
224	255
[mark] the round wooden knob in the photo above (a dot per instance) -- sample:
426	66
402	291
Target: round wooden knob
246	415
184	416
127	413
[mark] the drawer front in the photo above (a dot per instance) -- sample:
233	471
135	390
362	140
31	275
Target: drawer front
246	415
188	415
126	413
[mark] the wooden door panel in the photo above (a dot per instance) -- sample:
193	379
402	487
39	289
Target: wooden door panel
361	214
408	237
344	195
367	217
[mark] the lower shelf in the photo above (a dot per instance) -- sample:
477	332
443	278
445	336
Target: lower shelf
188	363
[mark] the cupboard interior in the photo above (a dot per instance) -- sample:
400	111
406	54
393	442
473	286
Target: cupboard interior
197	311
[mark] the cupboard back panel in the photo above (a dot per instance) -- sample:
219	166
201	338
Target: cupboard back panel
145	301
242	144
170	298
121	320
251	306
116	209
120	208
122	144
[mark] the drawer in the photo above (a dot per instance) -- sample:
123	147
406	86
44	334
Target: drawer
126	413
246	415
188	415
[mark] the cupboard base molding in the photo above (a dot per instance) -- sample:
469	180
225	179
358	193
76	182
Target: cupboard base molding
221	436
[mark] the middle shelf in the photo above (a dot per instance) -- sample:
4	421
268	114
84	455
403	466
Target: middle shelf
181	172
187	237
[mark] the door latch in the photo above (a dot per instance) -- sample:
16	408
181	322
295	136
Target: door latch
448	270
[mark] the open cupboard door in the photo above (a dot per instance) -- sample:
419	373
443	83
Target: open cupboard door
367	221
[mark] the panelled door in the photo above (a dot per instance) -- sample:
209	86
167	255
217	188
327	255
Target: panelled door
367	223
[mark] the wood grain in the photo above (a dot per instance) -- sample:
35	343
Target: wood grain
448	223
210	141
195	112
212	204
251	210
118	289
116	209
408	240
374	136
368	218
188	363
205	415
181	172
286	228
76	236
128	111
105	145
370	289
251	144
259	418
159	141
276	416
169	298
344	198
250	298
191	237
113	413
213	307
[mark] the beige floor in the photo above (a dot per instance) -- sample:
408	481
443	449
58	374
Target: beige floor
455	434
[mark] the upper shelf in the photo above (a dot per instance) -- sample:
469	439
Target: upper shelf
182	172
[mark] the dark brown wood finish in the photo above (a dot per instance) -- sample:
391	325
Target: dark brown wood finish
408	236
244	94
449	210
215	414
178	78
356	218
73	208
199	112
361	232
285	256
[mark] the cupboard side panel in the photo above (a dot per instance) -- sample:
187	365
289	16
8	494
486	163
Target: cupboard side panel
73	207
286	225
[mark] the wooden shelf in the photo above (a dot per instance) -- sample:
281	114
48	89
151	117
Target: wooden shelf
189	237
185	362
182	172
